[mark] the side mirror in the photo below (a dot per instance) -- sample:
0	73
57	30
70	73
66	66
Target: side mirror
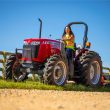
88	44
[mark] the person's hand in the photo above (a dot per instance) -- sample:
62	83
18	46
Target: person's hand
64	39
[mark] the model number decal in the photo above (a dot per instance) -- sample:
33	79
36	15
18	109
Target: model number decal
32	43
35	43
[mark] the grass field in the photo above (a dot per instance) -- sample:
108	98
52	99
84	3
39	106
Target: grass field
40	86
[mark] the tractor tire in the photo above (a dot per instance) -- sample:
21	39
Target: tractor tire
91	69
55	71
8	66
9	69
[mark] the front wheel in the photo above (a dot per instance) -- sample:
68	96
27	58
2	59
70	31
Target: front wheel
18	72
14	70
55	71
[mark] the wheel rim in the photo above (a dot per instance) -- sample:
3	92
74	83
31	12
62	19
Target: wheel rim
17	71
60	73
95	72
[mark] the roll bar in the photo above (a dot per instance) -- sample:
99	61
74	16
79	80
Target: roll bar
85	38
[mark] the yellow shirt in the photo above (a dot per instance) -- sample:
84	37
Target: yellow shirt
69	43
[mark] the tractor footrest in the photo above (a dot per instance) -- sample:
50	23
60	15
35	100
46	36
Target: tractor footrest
77	77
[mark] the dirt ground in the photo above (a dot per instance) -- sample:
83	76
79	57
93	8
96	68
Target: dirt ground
14	99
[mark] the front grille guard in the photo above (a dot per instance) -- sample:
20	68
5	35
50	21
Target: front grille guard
17	57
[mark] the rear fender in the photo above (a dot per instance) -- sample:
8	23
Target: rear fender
81	52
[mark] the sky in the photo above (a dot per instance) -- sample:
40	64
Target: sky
19	20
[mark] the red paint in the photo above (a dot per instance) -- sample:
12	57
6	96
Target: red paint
46	49
41	40
102	80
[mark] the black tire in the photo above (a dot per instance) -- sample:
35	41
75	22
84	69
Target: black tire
55	71
78	71
90	69
9	69
8	66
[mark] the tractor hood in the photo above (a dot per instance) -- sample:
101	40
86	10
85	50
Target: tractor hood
39	49
35	41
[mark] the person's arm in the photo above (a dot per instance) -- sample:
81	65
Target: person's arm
71	38
63	38
67	39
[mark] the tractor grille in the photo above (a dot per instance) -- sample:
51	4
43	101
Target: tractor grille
30	51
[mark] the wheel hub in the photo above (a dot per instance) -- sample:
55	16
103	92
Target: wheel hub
18	71
60	72
92	72
95	72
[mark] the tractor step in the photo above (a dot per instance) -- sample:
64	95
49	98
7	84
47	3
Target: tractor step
77	77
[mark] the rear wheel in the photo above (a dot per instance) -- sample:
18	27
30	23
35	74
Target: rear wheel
55	71
91	69
95	72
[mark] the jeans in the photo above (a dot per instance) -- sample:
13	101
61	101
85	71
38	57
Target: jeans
69	55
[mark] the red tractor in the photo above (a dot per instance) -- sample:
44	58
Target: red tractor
47	59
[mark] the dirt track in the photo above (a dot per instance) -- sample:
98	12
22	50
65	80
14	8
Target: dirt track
53	100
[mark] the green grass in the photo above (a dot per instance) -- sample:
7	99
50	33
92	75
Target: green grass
0	77
40	86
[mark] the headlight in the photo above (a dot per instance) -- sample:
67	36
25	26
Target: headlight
88	44
25	43
79	46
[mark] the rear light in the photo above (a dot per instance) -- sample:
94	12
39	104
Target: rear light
102	80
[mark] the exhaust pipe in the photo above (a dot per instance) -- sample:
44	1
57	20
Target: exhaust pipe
40	28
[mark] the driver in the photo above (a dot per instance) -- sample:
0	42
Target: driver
68	38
